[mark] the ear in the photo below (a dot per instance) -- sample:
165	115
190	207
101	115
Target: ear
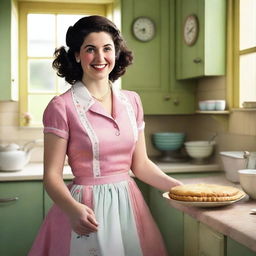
77	57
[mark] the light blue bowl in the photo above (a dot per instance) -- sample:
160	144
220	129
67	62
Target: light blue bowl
168	134
168	141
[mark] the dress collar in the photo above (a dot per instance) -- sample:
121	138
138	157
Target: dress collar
84	99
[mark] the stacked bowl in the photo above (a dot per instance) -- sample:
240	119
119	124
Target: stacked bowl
199	151
168	141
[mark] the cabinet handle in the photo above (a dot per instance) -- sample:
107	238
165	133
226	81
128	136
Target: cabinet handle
167	97
6	200
197	60
176	102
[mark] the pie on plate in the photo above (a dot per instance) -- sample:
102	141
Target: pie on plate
204	194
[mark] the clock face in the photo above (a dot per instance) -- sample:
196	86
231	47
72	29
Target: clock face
191	29
143	29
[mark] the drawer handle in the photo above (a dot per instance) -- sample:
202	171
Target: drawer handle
197	60
6	200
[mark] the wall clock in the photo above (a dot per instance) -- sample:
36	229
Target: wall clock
191	29
143	29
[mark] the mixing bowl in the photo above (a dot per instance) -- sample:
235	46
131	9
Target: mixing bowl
233	161
199	150
166	141
248	181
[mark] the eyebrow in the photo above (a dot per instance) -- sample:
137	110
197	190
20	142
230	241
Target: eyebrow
90	45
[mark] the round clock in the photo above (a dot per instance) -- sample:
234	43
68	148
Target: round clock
191	29
143	29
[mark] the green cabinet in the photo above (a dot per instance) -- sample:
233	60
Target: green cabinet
236	249
211	242
201	240
8	50
206	57
169	221
152	74
21	214
191	236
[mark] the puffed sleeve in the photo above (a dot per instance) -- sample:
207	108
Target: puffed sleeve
55	118
139	112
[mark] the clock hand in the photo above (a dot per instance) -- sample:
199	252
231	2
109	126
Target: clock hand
191	30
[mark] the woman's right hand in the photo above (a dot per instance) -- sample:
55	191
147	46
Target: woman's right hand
83	220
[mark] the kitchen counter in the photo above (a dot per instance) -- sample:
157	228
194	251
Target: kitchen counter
233	220
34	171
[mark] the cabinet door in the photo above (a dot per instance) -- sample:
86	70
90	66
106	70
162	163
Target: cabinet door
152	74
20	219
169	221
211	243
191	236
206	57
236	249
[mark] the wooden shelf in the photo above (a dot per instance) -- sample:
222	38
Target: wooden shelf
224	112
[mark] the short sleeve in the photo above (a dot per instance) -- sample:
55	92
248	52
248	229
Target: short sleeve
55	118
139	112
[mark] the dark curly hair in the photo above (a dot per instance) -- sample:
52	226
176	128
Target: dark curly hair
65	62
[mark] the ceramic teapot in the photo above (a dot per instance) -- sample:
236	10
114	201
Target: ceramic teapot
13	157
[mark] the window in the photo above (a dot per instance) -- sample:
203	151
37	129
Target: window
244	51
42	29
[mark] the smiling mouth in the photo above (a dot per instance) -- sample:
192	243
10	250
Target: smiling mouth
99	66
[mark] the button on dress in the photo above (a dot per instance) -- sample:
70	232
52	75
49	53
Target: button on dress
100	149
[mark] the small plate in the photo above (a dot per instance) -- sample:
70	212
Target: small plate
202	204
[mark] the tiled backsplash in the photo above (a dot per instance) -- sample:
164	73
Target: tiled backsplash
10	132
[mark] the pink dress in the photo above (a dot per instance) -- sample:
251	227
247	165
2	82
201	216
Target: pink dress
100	149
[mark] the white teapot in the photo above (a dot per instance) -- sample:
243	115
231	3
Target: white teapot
13	157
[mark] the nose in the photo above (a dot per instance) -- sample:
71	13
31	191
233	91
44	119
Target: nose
99	56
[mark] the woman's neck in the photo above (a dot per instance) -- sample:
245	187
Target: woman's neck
98	89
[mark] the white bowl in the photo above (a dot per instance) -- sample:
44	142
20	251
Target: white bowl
220	105
199	149
232	162
210	105
248	181
202	105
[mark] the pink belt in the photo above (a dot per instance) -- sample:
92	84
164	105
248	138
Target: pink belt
102	179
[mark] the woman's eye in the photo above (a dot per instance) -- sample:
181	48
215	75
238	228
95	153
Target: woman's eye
90	50
106	49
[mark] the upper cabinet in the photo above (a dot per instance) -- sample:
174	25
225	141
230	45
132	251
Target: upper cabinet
9	50
200	38
152	41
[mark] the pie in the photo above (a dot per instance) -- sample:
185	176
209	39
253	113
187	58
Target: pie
205	193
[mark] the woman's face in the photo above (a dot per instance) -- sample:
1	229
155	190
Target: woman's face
97	56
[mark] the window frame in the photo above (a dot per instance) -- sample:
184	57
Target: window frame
52	8
234	7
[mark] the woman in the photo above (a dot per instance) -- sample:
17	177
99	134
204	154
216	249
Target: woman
100	128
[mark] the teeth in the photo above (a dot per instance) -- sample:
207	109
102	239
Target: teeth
99	66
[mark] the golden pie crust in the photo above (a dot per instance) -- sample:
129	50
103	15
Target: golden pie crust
205	193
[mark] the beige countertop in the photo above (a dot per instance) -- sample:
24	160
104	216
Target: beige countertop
233	220
34	171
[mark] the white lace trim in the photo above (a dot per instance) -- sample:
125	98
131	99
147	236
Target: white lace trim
131	114
55	129
142	126
81	110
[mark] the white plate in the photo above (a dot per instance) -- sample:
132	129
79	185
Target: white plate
201	204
